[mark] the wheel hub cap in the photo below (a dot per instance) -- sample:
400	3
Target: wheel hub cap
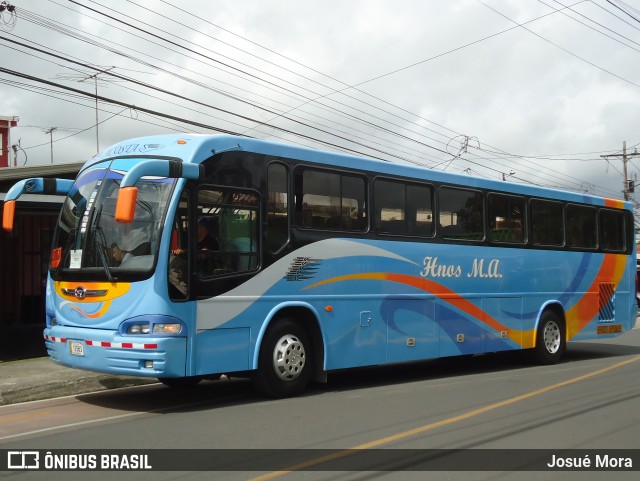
289	358
552	337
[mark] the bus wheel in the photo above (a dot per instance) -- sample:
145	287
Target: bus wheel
550	339
284	362
180	382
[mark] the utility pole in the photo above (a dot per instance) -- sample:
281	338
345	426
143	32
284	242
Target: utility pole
97	81
49	132
628	186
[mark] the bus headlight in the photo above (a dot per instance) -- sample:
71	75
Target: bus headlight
137	329
153	325
167	329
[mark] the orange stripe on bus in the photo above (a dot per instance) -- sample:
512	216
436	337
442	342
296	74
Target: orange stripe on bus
523	338
614	203
612	270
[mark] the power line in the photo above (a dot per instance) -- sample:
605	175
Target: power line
623	10
560	47
358	119
228	31
391	133
168	116
160	114
593	28
183	24
623	20
278	115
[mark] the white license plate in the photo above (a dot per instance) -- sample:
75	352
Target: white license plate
76	348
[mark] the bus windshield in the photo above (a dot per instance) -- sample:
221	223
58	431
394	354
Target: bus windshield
89	243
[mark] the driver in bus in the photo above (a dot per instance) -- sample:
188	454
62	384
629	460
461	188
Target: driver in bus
135	244
206	242
207	245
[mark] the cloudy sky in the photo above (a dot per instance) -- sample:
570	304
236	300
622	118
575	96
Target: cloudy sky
533	91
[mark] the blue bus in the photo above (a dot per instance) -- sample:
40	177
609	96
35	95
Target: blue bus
181	257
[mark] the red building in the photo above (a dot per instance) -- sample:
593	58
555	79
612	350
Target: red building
5	127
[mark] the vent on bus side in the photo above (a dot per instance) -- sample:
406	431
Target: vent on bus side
302	268
607	296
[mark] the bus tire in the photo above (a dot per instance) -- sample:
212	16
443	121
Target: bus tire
284	361
180	382
550	339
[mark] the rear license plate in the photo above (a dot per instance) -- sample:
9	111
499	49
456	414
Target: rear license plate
610	329
76	348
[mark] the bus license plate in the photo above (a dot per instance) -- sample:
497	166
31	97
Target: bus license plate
610	329
76	348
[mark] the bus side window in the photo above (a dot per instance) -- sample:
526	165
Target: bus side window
330	200
547	222
506	218
403	209
420	210
461	214
581	226
277	207
231	217
241	235
612	230
178	269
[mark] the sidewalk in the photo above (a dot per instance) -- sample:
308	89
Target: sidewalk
41	378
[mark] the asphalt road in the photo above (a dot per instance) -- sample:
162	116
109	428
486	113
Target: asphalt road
590	402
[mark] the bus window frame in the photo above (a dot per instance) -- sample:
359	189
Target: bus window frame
185	194
532	231
625	242
440	228
299	193
596	215
283	246
258	222
525	223
376	209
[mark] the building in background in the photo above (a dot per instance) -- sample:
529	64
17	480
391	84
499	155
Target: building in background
24	260
5	139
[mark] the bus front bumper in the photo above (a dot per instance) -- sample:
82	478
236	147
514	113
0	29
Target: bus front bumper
108	351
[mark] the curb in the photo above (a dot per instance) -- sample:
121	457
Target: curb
53	389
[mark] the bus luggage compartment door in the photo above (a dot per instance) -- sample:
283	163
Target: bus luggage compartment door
411	332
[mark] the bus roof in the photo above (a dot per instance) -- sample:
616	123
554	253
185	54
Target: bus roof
195	148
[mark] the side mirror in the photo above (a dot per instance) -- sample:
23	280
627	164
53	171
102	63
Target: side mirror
8	213
126	204
30	186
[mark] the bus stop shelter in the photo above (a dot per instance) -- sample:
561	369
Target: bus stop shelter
24	260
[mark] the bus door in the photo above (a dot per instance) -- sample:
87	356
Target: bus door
219	232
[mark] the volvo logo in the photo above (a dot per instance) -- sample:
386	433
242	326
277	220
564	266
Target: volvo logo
80	292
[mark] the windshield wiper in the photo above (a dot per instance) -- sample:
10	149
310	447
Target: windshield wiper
101	246
101	242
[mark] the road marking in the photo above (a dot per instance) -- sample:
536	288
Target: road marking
22	417
71	425
445	422
102	419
